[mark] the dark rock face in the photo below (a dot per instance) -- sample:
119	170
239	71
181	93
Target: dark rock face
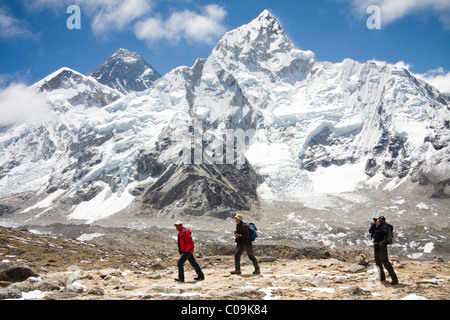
148	166
216	189
319	149
126	72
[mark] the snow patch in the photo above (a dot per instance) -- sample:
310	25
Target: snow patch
89	236
414	296
102	206
47	202
338	179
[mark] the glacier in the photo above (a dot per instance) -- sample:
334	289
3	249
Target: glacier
324	133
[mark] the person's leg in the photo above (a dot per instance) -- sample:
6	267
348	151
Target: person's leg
251	256
196	267
180	264
387	264
237	258
379	263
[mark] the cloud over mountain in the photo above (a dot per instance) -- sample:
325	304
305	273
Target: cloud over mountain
204	27
20	104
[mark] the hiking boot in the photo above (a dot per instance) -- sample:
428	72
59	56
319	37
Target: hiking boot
199	278
257	272
394	282
236	272
179	280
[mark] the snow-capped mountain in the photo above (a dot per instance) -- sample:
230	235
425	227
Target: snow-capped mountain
257	120
126	72
67	88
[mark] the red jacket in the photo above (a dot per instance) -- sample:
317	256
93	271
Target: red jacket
185	241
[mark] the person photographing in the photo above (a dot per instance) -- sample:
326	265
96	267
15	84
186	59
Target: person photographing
380	232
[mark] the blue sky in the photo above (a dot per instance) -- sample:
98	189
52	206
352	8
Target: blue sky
35	40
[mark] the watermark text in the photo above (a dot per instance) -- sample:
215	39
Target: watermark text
74	21
374	21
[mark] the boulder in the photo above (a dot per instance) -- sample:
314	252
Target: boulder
12	272
10	293
96	291
355	268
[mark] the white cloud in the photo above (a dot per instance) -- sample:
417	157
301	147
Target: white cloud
401	64
114	15
12	27
437	78
392	10
20	104
204	27
106	15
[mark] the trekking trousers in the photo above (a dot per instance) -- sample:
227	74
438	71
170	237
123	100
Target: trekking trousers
238	253
381	259
190	257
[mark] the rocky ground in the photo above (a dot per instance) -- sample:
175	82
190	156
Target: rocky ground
142	266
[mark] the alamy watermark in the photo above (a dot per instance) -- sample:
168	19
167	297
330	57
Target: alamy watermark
74	21
201	148
374	21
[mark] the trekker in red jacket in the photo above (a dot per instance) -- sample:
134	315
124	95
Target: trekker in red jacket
186	250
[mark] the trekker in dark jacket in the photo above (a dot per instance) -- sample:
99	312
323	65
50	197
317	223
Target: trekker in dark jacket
186	250
379	231
242	238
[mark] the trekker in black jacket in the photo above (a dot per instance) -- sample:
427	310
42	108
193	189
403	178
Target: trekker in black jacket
242	238
379	231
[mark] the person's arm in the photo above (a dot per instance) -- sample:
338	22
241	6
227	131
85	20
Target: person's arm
179	246
182	242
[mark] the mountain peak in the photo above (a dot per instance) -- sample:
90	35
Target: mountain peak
123	51
266	20
63	77
263	34
128	56
126	72
66	88
266	15
263	45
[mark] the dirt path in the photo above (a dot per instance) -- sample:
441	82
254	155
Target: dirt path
68	269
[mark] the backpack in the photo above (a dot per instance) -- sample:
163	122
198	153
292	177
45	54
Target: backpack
252	230
390	235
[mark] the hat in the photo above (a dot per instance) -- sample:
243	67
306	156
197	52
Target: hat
178	223
239	216
382	218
